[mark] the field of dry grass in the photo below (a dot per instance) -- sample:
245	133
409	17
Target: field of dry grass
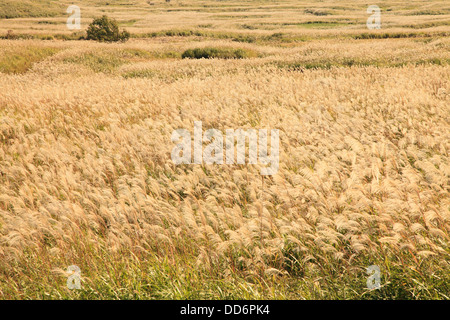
86	176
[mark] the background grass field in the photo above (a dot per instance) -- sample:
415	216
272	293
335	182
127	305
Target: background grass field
86	176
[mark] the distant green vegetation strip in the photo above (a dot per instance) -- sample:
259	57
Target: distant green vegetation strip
218	53
271	39
20	60
349	62
285	37
387	35
10	9
108	61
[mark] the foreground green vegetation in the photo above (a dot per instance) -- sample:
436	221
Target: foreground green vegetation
140	274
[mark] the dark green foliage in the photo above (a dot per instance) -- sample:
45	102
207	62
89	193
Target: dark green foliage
105	29
221	53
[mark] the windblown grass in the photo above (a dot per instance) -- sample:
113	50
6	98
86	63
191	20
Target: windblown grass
86	176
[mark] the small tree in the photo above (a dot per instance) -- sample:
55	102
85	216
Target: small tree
105	29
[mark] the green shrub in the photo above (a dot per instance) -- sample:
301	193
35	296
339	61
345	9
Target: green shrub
105	29
221	53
